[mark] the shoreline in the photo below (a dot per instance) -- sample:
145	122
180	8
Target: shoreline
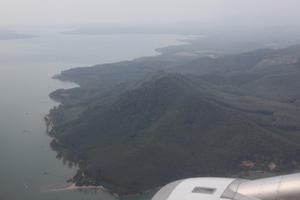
73	187
59	95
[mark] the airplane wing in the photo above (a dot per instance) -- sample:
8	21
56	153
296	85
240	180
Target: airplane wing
275	188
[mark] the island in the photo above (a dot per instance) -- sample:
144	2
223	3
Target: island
136	125
12	35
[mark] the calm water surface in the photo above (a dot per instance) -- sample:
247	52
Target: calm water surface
27	164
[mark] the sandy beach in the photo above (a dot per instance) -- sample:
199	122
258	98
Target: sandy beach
72	187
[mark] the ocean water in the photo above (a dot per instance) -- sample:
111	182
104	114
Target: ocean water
28	166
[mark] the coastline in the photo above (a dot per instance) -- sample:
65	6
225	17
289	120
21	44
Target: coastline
59	96
73	186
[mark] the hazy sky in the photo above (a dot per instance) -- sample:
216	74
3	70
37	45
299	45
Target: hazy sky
29	12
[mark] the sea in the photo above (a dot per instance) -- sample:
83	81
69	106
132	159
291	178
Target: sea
28	166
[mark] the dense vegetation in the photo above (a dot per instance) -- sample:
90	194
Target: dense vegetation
135	125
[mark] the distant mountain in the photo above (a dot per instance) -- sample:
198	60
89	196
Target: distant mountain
136	125
12	35
271	74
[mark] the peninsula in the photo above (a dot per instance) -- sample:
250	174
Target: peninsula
136	125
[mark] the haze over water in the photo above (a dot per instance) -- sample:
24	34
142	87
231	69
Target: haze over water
27	164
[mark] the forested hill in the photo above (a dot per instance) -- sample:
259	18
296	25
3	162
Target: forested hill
135	125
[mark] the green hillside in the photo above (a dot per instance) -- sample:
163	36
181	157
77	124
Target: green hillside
161	119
